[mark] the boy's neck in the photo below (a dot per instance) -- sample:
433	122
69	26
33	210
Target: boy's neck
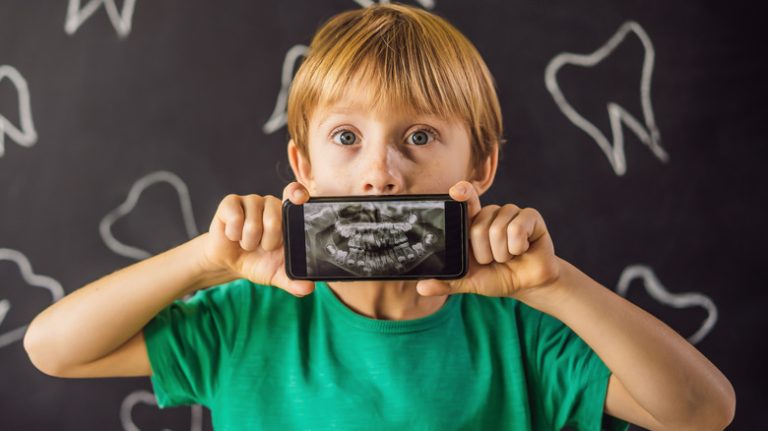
386	300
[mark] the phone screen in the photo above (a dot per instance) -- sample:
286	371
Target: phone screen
379	239
375	238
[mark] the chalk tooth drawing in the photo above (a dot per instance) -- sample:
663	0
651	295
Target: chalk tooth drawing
121	19
53	286
426	4
279	116
677	300
647	132
26	135
5	305
105	227
146	397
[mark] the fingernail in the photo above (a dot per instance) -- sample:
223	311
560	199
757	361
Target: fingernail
298	194
461	188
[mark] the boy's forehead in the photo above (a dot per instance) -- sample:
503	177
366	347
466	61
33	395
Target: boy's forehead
325	114
350	102
361	96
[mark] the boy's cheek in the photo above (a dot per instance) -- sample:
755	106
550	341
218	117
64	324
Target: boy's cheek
333	186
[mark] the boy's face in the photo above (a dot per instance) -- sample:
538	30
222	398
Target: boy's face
356	151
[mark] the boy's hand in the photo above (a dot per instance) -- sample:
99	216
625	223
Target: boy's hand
510	250
246	238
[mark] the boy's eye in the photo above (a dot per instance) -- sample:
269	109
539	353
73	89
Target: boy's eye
419	137
346	137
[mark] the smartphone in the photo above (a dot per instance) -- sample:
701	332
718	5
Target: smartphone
383	237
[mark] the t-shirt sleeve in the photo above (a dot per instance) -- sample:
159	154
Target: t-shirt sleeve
189	343
569	380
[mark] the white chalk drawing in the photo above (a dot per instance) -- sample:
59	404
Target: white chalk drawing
105	227
121	19
36	280
426	4
146	397
279	116
677	300
5	305
647	133
26	135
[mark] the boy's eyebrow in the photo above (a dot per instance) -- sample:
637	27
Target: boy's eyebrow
328	119
336	111
331	115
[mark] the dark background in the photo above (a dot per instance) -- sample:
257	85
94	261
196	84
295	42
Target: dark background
190	88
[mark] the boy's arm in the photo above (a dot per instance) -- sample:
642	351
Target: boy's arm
659	380
96	330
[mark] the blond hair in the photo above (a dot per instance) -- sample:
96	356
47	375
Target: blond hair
409	59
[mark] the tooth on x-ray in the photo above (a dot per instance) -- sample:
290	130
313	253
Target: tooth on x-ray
646	131
279	116
26	135
121	20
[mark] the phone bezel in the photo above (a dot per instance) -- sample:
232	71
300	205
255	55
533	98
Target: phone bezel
294	240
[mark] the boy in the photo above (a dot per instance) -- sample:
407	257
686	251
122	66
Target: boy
390	100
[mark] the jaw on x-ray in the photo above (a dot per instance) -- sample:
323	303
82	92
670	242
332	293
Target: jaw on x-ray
374	238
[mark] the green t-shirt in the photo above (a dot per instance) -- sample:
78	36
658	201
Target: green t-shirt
260	358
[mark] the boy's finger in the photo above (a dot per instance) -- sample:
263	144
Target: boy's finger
296	193
432	287
272	236
295	287
465	191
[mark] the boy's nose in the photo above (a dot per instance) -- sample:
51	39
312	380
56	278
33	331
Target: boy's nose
381	174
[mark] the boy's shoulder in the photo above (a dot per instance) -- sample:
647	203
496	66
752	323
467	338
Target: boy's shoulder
495	305
507	316
240	287
240	295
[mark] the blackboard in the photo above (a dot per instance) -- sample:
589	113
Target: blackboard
124	123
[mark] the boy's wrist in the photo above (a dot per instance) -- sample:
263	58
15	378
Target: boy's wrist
552	297
206	274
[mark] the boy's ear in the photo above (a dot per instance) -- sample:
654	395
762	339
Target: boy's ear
482	177
302	170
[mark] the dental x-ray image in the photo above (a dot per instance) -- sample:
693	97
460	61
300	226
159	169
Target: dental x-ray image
369	239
